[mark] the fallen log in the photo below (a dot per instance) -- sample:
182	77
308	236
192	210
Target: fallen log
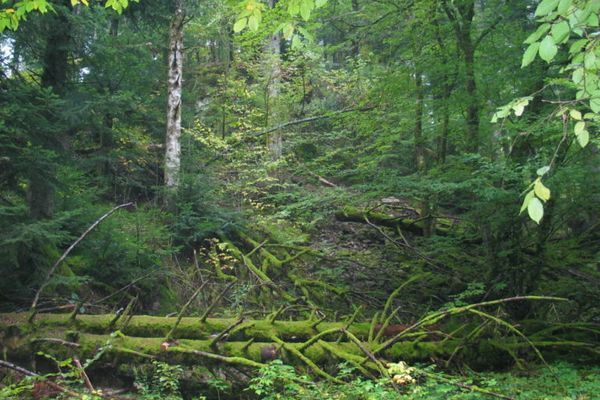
416	226
187	328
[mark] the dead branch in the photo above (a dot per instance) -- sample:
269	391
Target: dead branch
66	253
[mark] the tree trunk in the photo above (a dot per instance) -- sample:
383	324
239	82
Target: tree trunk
420	160
418	133
54	75
471	89
355	51
173	145
442	144
461	15
275	139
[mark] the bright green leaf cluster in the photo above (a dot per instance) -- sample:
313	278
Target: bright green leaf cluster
517	106
561	21
251	16
533	199
11	16
304	7
117	5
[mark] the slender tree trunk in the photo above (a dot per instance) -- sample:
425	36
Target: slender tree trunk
421	162
461	15
442	143
275	139
54	75
447	84
175	75
355	41
471	89
418	130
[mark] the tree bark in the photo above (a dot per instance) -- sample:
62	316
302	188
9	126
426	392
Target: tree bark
54	76
275	139
355	50
175	74
418	133
461	15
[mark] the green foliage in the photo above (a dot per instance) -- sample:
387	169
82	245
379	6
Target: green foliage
162	382
11	15
278	381
565	22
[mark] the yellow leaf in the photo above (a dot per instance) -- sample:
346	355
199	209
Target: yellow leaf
541	191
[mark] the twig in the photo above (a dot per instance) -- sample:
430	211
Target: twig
214	303
84	376
370	355
26	372
306	360
183	310
133	282
221	335
433	318
228	360
57	341
66	253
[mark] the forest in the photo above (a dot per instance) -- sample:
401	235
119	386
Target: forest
300	199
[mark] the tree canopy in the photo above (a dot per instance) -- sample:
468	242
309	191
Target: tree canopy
324	182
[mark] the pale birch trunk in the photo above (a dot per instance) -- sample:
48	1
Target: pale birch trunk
173	145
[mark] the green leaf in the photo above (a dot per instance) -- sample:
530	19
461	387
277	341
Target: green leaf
575	114
541	191
579	127
519	105
560	31
530	53
320	3
543	171
296	42
578	45
590	60
545	7
535	209
578	75
526	201
563	6
288	31
294	8
538	33
252	23
306	34
595	105
548	49
240	24
305	8
583	138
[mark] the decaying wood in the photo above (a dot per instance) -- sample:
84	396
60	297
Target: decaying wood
350	214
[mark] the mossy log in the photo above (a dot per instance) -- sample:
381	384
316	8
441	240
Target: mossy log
193	343
352	214
189	352
188	327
